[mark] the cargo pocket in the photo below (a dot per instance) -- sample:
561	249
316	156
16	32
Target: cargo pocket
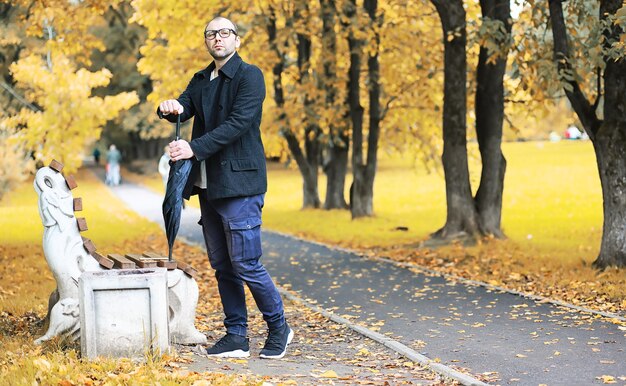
245	239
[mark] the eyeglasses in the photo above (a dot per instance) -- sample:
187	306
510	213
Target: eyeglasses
224	33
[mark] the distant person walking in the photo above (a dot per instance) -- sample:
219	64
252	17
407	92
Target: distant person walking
96	156
114	157
573	132
229	176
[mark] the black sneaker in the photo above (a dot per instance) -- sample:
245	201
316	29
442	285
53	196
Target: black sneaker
276	342
230	346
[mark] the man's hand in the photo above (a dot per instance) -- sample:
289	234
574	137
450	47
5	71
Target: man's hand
180	150
171	106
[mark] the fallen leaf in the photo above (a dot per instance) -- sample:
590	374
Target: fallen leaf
363	351
607	379
42	364
329	374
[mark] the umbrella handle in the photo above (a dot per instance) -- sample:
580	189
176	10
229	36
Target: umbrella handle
177	134
177	127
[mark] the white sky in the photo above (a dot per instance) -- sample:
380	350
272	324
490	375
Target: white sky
516	8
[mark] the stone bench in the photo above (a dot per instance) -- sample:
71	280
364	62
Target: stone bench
74	259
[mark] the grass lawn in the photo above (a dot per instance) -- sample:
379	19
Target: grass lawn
552	216
552	201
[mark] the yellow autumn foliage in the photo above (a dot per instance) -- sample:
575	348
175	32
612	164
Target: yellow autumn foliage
410	52
70	117
11	172
64	25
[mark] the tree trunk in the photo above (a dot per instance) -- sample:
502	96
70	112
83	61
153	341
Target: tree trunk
354	102
461	219
609	144
362	193
309	171
310	198
310	194
608	136
489	108
336	164
336	169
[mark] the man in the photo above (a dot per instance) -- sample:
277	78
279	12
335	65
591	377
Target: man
229	175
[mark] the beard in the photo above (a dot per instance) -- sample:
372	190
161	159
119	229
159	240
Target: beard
220	54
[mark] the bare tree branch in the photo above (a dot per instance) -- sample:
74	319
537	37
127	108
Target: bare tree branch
584	109
19	97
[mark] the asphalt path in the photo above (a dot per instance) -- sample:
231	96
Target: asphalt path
517	340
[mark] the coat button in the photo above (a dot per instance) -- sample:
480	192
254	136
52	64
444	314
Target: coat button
248	226
223	163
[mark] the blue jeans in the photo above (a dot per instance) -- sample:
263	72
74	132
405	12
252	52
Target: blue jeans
232	233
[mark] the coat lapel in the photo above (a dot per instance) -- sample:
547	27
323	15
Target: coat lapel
204	103
205	98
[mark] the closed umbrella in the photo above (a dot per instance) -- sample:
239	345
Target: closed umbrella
173	200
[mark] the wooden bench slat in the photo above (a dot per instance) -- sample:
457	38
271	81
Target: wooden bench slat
71	182
56	165
82	224
141	263
188	269
103	261
170	265
89	245
120	262
154	256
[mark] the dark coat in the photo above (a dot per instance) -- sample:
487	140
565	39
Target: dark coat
226	130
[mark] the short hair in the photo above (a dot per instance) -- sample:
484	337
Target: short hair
223	18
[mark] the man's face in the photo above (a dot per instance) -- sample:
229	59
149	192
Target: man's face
220	47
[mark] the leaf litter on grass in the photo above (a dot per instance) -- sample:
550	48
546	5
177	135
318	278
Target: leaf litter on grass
24	304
